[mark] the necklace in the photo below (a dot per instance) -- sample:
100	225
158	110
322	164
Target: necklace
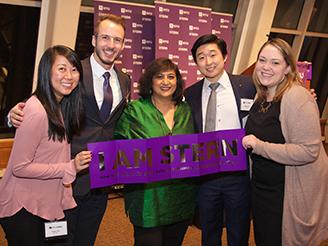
158	118
263	108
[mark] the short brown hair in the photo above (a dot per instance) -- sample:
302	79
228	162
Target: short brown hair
114	18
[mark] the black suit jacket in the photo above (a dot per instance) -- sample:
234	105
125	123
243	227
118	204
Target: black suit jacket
242	86
93	128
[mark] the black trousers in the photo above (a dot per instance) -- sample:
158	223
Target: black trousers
229	195
84	220
25	229
168	235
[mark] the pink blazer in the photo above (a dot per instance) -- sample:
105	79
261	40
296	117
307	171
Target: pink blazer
39	171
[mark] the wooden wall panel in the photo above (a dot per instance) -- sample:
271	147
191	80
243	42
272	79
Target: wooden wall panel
5	149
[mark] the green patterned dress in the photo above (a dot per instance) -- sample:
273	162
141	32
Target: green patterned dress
164	202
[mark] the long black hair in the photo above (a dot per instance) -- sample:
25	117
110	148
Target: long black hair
64	117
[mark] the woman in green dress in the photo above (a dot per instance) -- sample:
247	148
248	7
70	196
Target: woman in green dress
161	211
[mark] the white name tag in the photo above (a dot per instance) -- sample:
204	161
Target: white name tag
55	229
246	104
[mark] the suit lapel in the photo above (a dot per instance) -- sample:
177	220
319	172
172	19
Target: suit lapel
89	90
123	85
199	112
88	87
237	88
197	105
124	90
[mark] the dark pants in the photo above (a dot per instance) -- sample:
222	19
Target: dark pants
168	235
25	229
84	220
225	195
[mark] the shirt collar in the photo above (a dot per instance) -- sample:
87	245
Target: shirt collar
97	69
223	80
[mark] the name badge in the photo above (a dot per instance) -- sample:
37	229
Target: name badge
246	104
55	229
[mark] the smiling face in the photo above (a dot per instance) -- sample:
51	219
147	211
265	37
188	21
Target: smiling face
64	77
271	68
164	84
108	43
210	61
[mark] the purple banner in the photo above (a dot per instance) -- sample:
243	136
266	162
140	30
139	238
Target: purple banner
167	157
139	37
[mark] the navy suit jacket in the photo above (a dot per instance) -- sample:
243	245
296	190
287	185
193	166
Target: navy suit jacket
93	128
242	86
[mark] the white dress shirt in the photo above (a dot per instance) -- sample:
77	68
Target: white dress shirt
226	110
98	81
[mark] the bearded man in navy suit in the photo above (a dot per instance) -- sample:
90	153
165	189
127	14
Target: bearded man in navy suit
223	194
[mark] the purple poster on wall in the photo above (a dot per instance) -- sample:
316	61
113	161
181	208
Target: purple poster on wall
139	37
177	27
305	70
222	27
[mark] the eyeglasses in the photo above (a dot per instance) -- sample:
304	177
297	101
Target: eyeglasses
107	38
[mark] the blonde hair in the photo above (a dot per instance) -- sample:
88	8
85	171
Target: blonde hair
291	78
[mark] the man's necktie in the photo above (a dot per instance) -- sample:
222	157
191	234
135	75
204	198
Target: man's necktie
106	106
210	122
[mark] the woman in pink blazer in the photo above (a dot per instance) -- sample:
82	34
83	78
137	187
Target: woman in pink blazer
36	187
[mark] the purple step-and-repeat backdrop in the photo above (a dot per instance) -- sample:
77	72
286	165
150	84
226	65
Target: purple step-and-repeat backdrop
163	30
176	29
